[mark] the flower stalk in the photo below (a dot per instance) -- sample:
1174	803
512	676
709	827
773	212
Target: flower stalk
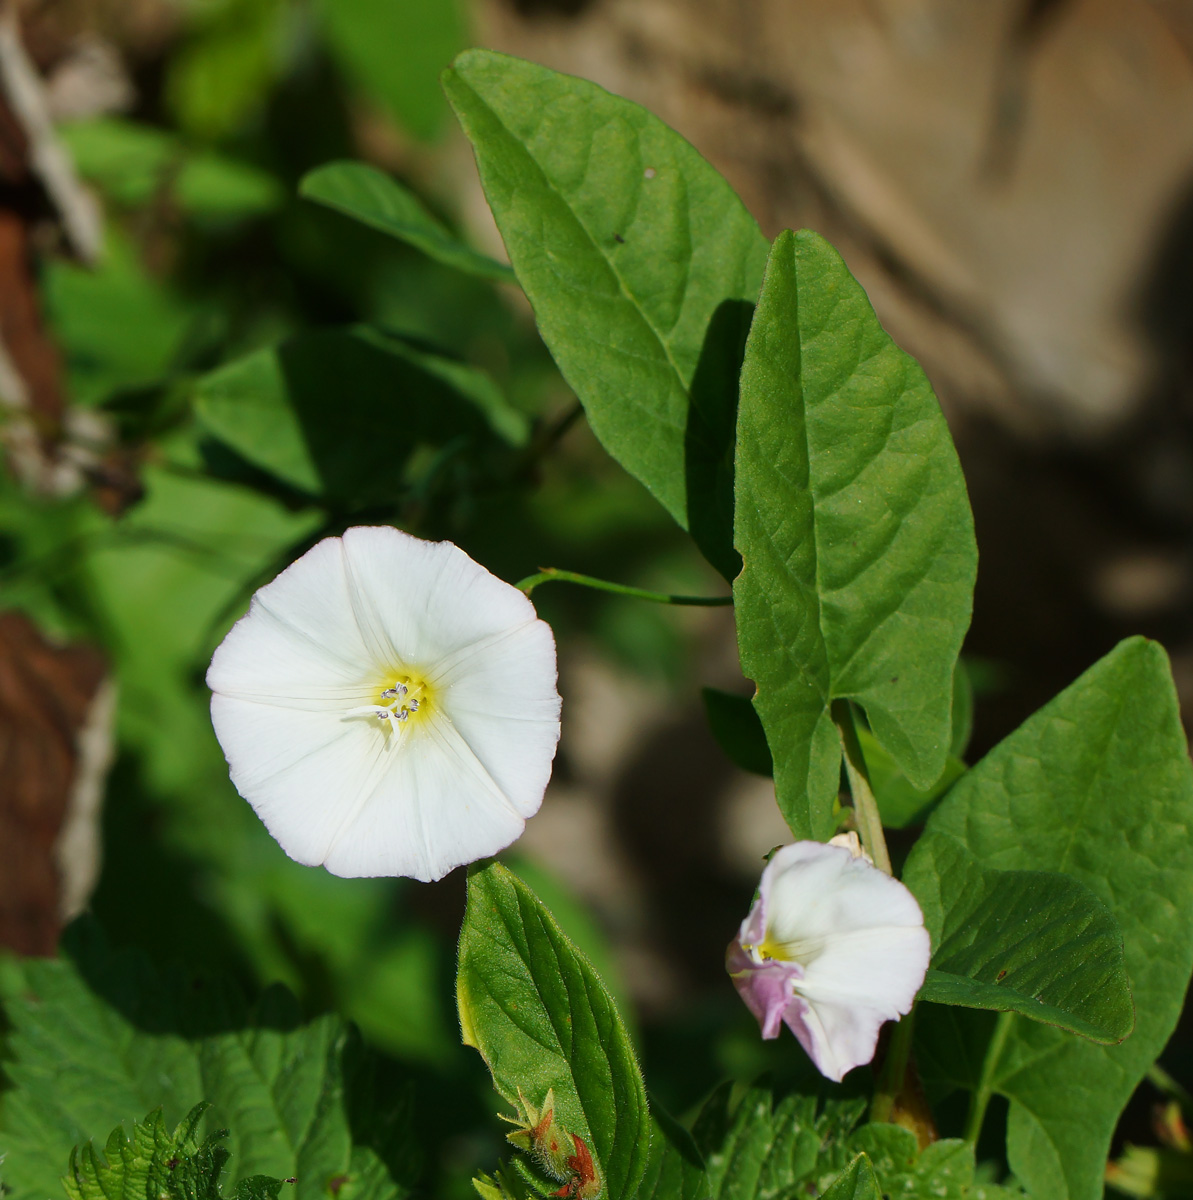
865	806
547	574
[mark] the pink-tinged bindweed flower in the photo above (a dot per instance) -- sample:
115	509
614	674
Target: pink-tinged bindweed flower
388	707
833	947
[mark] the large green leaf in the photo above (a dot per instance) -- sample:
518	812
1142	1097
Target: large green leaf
1031	942
641	264
855	530
102	1039
543	1022
378	200
337	412
1097	786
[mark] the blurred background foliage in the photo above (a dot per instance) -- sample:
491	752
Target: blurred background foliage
241	370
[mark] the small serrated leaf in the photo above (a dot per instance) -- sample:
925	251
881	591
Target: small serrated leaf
156	1164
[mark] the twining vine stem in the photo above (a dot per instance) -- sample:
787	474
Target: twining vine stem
981	1098
547	574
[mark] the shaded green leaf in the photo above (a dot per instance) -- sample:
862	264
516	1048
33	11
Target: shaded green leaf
641	264
735	724
97	1038
962	709
1097	785
543	1021
674	1170
338	412
119	327
855	529
380	201
136	164
223	72
899	803
394	50
1032	942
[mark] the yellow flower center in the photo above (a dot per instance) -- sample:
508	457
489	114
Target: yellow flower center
802	952
402	699
407	696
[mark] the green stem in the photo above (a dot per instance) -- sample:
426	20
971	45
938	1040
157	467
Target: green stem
894	1069
546	574
869	821
985	1089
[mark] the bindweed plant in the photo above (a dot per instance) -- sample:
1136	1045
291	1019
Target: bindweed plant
388	707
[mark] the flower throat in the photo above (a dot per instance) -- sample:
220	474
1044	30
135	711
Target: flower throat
406	698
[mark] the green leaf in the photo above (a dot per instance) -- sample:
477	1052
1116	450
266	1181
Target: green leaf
1031	942
543	1021
155	1163
338	412
1096	786
136	164
899	803
757	1149
856	1182
962	709
734	723
394	51
380	201
942	1171
674	1170
119	327
641	264
224	69
854	526
102	1036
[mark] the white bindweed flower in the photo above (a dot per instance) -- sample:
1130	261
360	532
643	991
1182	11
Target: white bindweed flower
388	707
833	947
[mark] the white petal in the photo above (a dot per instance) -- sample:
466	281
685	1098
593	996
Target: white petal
880	968
858	935
422	601
434	808
812	893
304	773
500	696
836	1037
299	638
